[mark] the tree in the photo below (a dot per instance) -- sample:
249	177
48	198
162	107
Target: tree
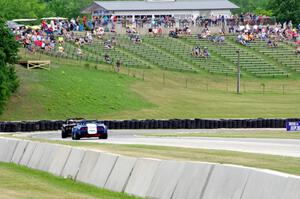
8	57
286	10
67	8
14	9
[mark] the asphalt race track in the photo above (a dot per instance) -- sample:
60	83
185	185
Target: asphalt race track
284	147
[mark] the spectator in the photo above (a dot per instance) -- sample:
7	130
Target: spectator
107	59
79	52
206	53
118	66
107	44
297	50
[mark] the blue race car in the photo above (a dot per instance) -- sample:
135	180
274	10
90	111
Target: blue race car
89	129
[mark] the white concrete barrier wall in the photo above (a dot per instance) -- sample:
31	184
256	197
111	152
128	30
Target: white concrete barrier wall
37	155
102	169
292	189
165	179
142	176
262	185
149	177
28	153
87	165
193	180
19	152
60	157
73	163
120	174
7	149
226	182
47	157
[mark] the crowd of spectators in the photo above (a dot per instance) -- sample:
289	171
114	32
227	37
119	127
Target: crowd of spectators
272	35
198	52
248	27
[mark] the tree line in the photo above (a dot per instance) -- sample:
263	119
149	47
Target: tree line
8	57
11	9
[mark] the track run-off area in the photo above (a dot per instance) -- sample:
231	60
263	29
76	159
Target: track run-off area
269	146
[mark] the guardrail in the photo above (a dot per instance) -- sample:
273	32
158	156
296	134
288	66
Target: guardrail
49	125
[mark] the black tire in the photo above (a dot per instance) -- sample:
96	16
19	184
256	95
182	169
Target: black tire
63	134
75	136
104	136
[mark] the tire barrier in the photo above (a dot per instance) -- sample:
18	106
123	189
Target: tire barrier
50	125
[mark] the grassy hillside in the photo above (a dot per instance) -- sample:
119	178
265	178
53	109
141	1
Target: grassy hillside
72	89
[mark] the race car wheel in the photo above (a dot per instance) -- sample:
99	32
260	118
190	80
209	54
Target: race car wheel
104	136
75	136
64	134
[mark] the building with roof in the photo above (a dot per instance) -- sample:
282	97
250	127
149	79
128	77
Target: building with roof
161	7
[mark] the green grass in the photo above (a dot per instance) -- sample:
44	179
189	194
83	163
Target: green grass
21	182
72	89
233	134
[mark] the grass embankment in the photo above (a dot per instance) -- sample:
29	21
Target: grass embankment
233	134
273	162
72	89
21	182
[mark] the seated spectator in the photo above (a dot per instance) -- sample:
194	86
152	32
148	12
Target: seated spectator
173	34
89	37
107	44
196	51
297	50
107	59
269	43
60	40
79	52
31	48
113	41
272	44
231	29
186	30
100	32
137	39
77	43
206	53
61	49
81	41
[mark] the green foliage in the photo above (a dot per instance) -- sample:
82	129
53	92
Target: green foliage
286	10
67	8
16	9
249	5
264	12
8	56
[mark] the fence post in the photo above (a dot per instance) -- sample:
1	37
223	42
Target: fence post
143	76
207	86
226	83
263	88
186	82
